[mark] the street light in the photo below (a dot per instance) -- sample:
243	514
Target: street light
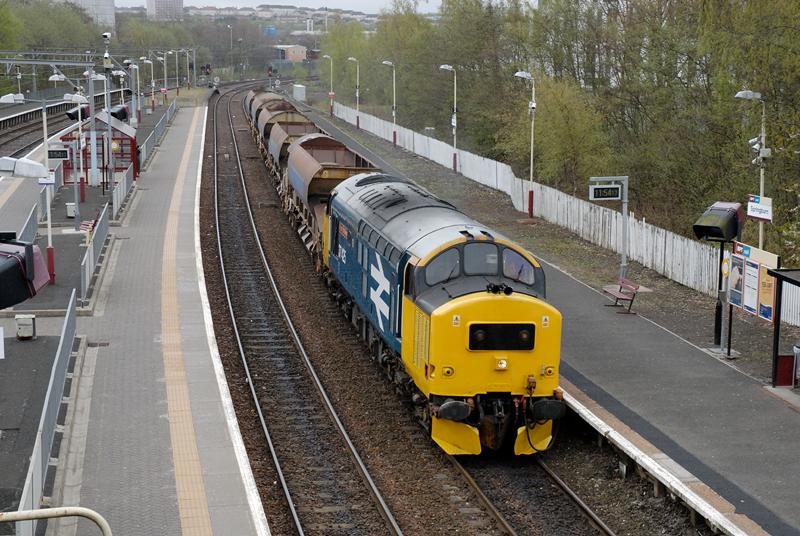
761	148
166	80
137	104
44	174
56	77
230	50
454	118
394	100
331	94
177	73
525	75
188	79
121	74
358	82
146	60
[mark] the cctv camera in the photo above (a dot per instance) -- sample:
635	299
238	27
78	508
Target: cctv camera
106	55
127	62
106	35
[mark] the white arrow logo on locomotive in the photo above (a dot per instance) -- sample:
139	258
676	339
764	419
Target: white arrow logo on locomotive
376	271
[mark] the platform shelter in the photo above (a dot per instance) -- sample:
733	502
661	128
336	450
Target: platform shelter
123	144
784	366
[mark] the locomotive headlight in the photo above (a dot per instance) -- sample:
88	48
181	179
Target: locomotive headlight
524	336
549	371
501	364
479	335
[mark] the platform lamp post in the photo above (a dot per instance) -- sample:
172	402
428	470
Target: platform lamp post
230	49
188	77
19	81
177	72
137	104
146	60
394	100
45	180
454	118
525	75
163	60
760	146
121	75
331	94
358	84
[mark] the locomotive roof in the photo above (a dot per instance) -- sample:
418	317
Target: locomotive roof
407	215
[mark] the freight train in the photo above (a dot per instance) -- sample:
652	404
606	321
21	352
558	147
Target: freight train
452	311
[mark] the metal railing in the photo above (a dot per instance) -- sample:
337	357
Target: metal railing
31	225
147	147
121	191
40	458
93	250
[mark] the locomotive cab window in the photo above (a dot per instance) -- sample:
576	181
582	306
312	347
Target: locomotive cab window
517	267
480	259
444	267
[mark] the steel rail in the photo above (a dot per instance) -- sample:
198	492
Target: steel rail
383	508
586	510
245	364
487	504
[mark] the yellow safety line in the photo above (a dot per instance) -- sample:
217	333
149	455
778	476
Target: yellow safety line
192	501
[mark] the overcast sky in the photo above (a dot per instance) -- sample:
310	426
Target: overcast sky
367	6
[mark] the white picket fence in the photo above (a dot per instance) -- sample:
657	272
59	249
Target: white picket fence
689	262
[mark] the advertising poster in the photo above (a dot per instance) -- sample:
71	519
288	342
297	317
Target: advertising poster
750	293
736	281
766	294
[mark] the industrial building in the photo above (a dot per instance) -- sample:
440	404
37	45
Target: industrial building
165	9
101	11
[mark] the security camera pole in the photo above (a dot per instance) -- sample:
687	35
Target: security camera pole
761	149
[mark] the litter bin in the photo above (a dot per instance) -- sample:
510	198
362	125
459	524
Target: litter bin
70	209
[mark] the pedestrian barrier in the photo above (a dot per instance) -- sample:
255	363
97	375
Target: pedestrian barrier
689	262
121	191
93	250
31	498
31	225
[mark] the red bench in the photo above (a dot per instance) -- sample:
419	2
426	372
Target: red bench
624	291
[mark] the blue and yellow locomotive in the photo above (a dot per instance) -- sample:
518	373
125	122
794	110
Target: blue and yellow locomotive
453	311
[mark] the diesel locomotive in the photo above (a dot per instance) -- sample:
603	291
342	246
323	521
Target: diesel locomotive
453	312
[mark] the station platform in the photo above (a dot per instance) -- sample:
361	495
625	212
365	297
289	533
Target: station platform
152	442
720	428
24	375
154	445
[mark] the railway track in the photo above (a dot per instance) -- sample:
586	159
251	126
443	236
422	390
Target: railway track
19	141
585	509
326	485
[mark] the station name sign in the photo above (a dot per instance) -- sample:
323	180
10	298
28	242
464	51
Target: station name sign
759	208
605	192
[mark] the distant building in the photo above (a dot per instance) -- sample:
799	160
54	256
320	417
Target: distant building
165	9
290	52
101	11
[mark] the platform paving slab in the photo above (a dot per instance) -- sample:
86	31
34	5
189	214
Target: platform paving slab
128	470
719	424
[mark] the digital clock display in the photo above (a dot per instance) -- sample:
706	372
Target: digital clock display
605	192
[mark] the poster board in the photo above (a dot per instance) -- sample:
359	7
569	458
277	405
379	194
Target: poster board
751	287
